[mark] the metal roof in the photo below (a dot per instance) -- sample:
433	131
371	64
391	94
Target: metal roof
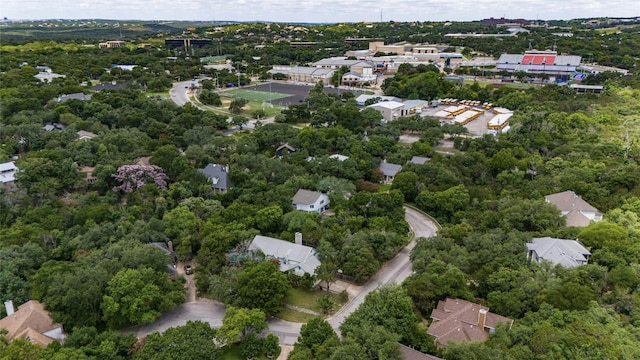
300	258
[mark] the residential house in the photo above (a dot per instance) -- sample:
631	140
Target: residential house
310	201
171	265
339	157
577	211
389	171
32	323
53	126
413	354
390	110
8	172
294	257
456	320
85	135
285	150
419	160
46	74
218	175
74	96
88	173
568	253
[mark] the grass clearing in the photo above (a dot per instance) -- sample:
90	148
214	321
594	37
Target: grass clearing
232	352
308	299
384	188
291	315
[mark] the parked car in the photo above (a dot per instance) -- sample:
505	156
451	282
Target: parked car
188	269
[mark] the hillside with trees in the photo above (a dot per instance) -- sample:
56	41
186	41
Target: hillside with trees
81	247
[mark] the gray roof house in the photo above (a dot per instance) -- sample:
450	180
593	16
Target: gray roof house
568	253
577	211
389	171
218	175
294	257
75	96
310	201
419	160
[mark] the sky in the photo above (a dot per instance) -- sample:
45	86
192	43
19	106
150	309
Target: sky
325	11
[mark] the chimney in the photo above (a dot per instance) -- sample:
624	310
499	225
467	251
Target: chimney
8	305
482	318
298	238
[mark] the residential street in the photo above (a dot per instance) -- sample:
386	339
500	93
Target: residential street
394	271
179	92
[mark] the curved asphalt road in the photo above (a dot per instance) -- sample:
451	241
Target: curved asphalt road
179	92
394	271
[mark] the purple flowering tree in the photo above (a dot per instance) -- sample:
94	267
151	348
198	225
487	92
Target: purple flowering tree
132	177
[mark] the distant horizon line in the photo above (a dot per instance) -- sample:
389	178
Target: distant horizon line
5	19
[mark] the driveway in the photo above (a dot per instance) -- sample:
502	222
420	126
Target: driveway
394	271
203	310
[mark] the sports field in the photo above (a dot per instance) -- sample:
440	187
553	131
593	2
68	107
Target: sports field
253	95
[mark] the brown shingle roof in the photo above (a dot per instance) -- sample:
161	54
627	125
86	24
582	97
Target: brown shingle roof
30	322
458	321
411	354
573	207
570	201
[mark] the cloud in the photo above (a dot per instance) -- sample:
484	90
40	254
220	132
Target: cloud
313	11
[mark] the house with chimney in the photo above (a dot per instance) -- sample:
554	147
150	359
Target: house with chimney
218	176
578	212
568	253
32	323
457	320
292	257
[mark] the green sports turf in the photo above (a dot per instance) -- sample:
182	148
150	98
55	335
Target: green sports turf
253	95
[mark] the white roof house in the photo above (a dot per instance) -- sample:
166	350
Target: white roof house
568	253
339	157
8	172
294	257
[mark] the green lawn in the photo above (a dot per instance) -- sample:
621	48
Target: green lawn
308	299
253	95
294	316
384	188
232	352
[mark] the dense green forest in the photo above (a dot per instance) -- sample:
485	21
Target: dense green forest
80	248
